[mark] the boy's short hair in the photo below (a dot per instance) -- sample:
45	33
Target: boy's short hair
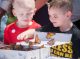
23	3
65	5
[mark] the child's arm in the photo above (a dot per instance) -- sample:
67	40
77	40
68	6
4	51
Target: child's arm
26	34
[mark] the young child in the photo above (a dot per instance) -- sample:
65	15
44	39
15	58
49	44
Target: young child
60	12
24	11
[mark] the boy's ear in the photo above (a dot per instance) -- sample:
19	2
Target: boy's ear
69	14
35	11
13	11
48	7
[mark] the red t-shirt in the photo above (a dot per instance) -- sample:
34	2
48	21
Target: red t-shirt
12	31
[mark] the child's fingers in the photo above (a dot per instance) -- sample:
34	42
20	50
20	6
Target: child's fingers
25	34
25	37
20	37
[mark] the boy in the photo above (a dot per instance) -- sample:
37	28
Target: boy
24	11
60	12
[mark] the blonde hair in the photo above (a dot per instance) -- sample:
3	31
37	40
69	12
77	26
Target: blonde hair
65	5
24	3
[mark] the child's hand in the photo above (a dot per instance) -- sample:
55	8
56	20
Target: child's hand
26	34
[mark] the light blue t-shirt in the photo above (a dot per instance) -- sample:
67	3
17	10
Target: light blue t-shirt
2	26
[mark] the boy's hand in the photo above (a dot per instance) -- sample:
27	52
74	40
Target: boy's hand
26	34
